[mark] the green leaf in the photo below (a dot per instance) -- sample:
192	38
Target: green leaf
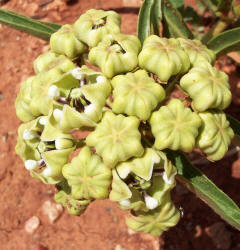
234	124
225	42
224	5
20	22
156	16
54	26
205	189
211	5
177	3
174	25
144	20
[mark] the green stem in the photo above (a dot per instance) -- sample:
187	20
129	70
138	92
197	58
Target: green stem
219	27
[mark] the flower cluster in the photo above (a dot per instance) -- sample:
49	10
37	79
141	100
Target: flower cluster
96	79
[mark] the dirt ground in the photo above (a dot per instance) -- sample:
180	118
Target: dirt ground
102	226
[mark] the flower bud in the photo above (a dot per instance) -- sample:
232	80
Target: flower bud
156	221
116	55
43	61
31	164
151	202
64	42
136	94
175	127
92	26
163	57
196	51
208	87
116	138
215	135
53	92
23	100
88	177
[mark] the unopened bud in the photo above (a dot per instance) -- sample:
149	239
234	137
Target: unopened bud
29	135
47	172
57	114
76	73
125	203
169	180
53	92
31	164
101	79
151	202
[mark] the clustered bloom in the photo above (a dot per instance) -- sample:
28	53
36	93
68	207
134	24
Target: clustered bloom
95	78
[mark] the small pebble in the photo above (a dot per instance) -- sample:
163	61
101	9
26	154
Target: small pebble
52	210
32	224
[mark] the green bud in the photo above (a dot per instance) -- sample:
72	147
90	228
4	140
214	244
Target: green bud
116	138
196	51
50	60
163	57
92	26
88	177
156	221
116	54
23	101
136	94
83	93
175	127
208	87
64	42
215	135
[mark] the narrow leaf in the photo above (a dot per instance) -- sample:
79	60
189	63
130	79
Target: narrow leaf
156	16
234	124
224	5
20	22
211	5
177	3
225	42
144	20
174	24
54	26
205	189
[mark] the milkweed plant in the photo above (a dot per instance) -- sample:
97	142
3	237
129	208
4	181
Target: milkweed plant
96	78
